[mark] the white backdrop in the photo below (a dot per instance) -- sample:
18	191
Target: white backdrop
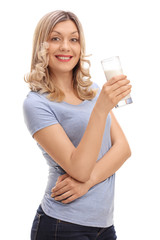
126	28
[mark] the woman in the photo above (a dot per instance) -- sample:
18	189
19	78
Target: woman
72	122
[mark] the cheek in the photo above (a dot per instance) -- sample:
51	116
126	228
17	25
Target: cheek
78	52
52	48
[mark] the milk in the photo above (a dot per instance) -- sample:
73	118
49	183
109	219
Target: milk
112	73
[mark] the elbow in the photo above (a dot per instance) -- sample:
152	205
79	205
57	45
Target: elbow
82	177
79	170
128	151
85	178
83	174
124	149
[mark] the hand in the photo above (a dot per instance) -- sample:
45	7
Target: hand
68	189
113	91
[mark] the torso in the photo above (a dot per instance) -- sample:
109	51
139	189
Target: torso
72	99
73	115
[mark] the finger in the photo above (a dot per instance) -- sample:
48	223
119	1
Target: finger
122	89
63	196
119	84
69	199
59	186
123	95
116	78
61	191
62	177
61	182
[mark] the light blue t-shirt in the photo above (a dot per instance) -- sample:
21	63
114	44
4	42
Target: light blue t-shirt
95	208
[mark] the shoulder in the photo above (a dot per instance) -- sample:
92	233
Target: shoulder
35	103
33	96
34	99
94	85
96	88
38	112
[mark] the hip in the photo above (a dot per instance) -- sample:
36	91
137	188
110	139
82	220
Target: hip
46	227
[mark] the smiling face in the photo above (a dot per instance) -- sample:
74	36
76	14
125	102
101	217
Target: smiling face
64	47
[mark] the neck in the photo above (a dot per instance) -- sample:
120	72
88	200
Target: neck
64	81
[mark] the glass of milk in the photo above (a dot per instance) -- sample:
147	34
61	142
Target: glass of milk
112	67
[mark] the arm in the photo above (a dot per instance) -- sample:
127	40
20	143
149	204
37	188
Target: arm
114	158
120	151
73	160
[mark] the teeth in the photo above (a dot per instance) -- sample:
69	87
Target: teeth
64	58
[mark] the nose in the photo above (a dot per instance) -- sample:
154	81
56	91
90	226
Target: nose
65	46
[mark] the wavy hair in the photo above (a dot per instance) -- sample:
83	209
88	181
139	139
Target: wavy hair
39	78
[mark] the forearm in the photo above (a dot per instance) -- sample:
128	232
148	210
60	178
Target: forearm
68	189
89	147
85	155
109	163
104	168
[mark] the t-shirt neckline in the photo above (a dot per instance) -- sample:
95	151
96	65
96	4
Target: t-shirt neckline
75	105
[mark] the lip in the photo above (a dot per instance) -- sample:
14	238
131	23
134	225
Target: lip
63	58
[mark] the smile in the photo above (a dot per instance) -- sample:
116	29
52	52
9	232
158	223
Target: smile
63	58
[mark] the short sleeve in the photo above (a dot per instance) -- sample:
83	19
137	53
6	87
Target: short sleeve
37	113
96	87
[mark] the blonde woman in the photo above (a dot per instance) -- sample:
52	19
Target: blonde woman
71	120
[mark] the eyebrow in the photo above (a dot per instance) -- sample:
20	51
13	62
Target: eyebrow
60	33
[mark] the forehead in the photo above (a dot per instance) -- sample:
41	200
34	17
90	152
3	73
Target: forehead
65	26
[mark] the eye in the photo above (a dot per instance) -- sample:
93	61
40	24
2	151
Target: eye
55	39
74	39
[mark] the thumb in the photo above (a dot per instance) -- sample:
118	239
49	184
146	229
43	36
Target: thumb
61	178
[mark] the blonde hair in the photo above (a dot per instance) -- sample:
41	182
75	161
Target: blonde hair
39	78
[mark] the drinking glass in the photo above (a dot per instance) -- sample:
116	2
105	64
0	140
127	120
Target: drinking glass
112	67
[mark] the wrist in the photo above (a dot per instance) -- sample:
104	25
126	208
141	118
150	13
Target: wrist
100	111
91	182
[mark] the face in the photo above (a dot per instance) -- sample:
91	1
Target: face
64	47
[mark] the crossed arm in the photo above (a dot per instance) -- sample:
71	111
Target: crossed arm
67	189
80	162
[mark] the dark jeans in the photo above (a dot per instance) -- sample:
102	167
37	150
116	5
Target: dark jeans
47	228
